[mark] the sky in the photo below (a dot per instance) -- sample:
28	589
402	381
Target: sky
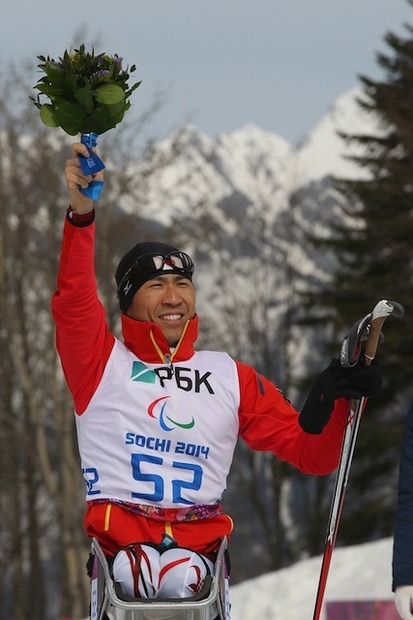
221	64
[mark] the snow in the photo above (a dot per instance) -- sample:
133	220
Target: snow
323	152
360	572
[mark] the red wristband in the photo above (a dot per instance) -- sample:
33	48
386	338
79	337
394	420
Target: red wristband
80	219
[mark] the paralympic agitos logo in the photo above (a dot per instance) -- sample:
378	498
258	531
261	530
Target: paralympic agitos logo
158	411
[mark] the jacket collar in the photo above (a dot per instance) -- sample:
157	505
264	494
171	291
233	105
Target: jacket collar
147	341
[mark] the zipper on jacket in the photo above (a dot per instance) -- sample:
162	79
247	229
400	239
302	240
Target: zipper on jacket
168	361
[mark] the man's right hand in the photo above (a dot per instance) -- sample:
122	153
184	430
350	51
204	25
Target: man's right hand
75	179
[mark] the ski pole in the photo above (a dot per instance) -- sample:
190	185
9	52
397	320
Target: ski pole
367	330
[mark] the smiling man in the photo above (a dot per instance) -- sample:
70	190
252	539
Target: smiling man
158	421
154	283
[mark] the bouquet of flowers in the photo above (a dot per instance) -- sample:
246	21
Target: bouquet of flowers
88	94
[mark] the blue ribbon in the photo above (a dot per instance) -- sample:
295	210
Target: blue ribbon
91	165
93	190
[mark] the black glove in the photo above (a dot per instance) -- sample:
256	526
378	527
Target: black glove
335	382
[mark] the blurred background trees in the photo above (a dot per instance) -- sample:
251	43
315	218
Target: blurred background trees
372	243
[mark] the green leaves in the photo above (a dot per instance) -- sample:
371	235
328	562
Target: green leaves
47	116
86	93
108	94
84	97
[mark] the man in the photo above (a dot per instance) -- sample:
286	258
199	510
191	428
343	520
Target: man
157	421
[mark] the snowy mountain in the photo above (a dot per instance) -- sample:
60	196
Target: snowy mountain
323	152
357	573
251	154
250	162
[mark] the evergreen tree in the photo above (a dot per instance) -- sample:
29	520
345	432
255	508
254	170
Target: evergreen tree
374	252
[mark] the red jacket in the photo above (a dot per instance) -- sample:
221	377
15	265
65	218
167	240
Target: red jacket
267	421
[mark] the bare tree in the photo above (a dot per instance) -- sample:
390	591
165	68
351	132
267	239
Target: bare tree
42	492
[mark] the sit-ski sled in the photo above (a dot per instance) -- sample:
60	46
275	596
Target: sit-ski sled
109	602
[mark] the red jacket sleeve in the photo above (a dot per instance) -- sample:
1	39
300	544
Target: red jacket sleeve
268	422
82	337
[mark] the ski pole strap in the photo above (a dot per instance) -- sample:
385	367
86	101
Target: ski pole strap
351	347
368	331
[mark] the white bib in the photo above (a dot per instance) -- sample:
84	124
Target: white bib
162	438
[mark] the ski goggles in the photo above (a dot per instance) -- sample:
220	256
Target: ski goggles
148	264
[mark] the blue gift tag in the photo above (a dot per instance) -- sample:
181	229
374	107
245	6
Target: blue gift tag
93	163
93	190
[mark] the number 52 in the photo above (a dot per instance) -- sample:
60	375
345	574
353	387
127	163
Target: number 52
158	482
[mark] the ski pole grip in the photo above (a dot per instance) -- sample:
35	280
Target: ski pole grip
370	349
381	311
372	341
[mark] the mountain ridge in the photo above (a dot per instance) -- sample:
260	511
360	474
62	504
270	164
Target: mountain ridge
259	164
